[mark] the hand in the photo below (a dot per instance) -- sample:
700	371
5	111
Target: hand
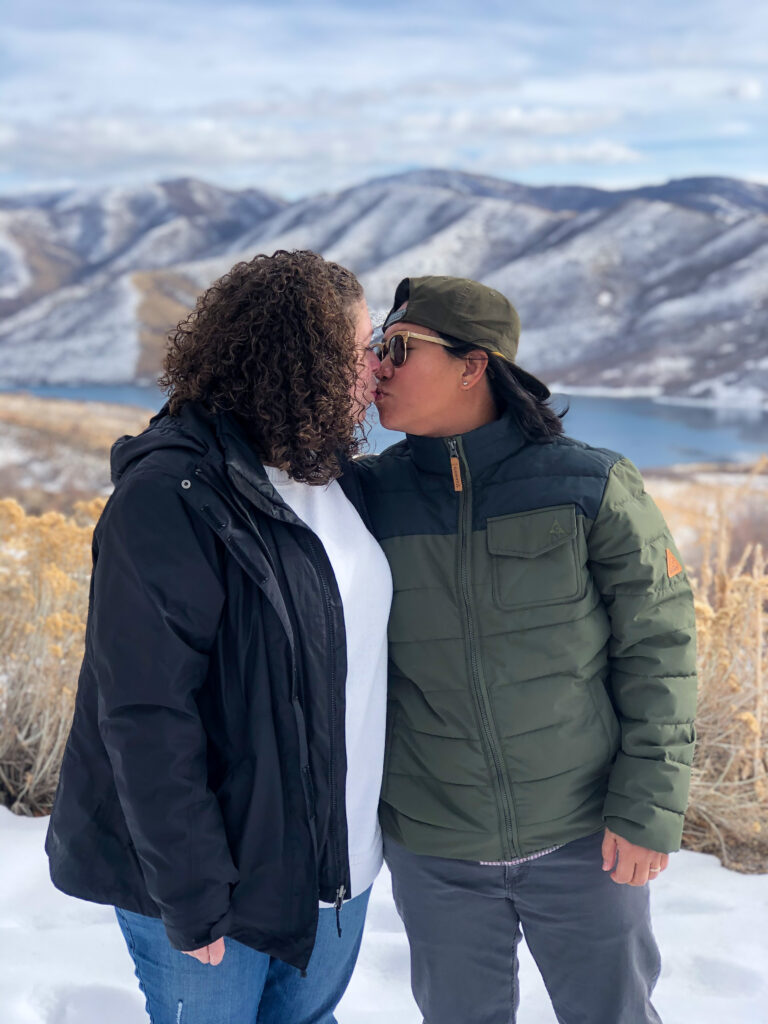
636	864
212	954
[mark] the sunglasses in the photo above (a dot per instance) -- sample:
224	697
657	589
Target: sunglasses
396	347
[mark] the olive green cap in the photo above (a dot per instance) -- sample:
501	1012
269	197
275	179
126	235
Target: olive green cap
467	311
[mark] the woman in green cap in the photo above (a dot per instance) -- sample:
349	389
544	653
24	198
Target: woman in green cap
541	681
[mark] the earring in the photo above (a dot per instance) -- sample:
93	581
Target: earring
465	383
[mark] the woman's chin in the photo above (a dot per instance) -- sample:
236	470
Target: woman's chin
385	418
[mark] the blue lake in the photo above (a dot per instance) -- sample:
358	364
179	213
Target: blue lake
652	434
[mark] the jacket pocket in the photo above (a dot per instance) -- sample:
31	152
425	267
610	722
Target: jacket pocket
534	558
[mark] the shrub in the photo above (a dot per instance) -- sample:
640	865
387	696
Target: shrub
728	809
44	577
45	569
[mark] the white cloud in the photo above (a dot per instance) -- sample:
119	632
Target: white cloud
750	89
735	129
278	153
8	136
318	95
598	152
642	90
510	120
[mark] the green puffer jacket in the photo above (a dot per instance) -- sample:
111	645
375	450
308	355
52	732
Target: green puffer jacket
542	654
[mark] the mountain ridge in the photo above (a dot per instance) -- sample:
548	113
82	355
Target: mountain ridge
657	288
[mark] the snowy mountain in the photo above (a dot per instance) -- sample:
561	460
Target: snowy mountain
659	289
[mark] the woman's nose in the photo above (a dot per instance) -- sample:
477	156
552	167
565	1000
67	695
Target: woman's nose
372	362
384	369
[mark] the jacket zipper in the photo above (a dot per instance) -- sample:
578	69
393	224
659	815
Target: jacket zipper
336	849
337	907
462	483
341	889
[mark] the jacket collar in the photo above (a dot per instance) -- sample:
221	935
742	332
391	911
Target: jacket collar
483	448
248	475
246	472
218	442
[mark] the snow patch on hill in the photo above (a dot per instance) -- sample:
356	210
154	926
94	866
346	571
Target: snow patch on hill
15	275
83	342
658	288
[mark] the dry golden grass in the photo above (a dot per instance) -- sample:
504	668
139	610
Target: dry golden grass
726	540
44	574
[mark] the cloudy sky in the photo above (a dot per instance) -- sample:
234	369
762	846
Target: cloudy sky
298	97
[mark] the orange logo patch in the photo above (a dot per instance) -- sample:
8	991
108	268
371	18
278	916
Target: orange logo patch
673	566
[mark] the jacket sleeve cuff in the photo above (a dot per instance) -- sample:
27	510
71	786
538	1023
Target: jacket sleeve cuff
188	937
655	828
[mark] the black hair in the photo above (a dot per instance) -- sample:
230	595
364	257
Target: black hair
530	405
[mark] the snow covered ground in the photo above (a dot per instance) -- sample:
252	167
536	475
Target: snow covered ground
63	961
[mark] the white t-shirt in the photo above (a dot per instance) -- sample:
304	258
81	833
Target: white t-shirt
365	584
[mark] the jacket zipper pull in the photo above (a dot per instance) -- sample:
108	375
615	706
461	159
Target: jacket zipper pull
455	466
337	906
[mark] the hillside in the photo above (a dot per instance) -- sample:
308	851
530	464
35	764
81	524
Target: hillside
659	290
54	453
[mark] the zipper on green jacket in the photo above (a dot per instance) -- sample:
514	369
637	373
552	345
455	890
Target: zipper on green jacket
462	483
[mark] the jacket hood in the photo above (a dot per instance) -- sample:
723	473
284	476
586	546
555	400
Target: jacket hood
218	441
193	430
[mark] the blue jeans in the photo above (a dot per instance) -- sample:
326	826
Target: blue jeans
247	986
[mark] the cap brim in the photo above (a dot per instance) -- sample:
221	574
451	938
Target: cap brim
401	295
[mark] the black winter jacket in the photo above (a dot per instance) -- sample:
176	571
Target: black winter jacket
204	776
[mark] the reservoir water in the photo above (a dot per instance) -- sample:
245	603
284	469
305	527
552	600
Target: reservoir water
652	434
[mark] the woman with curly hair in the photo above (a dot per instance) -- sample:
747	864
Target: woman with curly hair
221	777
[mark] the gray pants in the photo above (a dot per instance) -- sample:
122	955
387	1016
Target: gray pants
590	937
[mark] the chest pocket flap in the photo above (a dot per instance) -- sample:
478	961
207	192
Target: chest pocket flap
534	557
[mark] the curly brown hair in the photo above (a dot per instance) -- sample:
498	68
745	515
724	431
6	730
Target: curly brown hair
273	342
